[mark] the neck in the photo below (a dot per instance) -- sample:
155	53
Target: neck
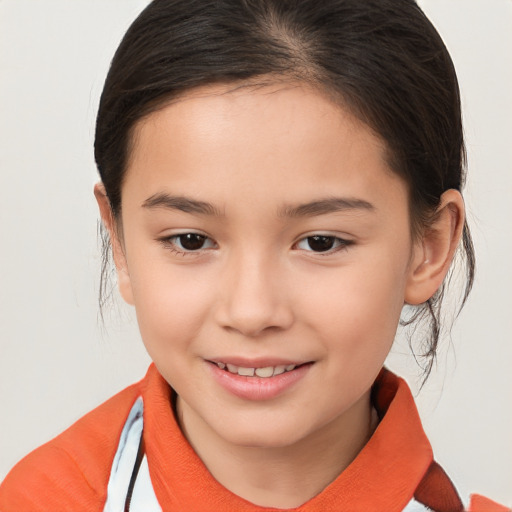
285	476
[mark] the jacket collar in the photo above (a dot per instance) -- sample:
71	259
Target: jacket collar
384	476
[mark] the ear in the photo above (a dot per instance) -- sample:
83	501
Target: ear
107	217
433	253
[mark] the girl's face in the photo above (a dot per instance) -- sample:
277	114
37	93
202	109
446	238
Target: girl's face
263	230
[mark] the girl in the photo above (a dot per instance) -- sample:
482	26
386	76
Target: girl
278	178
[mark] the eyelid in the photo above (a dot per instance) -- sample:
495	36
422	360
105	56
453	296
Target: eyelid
168	242
342	243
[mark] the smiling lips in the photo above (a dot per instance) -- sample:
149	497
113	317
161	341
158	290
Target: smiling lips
258	382
265	372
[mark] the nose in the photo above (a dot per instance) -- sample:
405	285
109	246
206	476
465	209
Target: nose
255	298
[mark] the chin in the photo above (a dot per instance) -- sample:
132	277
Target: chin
269	435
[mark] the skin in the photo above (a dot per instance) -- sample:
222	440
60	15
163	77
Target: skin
257	289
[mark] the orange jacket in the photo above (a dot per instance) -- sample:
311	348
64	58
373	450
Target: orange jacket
70	473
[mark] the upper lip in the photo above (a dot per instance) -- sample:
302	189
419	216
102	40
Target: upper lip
260	362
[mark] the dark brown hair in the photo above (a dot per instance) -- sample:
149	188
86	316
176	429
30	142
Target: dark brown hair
382	59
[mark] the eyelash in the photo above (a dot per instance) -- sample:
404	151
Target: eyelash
340	244
170	243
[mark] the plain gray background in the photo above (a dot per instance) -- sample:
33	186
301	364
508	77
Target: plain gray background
58	362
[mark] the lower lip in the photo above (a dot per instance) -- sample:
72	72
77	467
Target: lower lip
258	388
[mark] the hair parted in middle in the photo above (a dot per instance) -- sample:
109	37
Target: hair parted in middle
382	60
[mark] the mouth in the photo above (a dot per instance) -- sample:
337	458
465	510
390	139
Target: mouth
264	372
258	380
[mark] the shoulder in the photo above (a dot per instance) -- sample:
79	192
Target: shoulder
71	471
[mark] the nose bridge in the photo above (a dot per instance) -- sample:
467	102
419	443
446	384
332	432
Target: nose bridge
255	297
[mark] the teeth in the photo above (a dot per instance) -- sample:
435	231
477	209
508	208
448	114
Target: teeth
264	372
246	372
232	368
268	371
279	369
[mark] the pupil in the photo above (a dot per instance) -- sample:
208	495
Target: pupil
192	241
320	243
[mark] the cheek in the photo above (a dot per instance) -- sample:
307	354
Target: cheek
358	305
172	304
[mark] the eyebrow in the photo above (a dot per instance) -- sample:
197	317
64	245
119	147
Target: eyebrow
180	203
325	206
311	209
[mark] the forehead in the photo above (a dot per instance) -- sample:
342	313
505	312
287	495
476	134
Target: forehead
287	140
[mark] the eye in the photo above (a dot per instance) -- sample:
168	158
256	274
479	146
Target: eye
189	242
322	243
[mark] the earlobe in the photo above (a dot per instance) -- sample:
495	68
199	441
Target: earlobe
433	254
118	254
